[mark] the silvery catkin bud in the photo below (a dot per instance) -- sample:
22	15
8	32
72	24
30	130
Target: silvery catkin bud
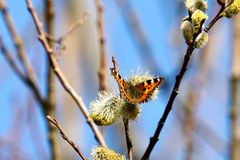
187	31
193	5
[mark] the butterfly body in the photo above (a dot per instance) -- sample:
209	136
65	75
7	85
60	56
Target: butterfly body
137	90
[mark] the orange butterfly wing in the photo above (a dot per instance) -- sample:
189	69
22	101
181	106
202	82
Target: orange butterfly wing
122	85
147	88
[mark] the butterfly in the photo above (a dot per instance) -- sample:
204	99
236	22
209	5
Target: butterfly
137	93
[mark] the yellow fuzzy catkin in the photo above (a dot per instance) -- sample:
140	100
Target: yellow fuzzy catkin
102	153
106	108
193	5
197	17
130	111
201	40
232	9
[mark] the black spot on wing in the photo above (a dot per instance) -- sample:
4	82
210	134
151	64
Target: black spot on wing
149	81
119	76
156	80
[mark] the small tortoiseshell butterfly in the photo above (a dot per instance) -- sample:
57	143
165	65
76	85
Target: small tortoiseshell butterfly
137	93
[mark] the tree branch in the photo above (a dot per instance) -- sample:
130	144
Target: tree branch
11	61
72	28
17	41
64	136
175	90
28	77
51	93
66	85
101	41
60	41
128	139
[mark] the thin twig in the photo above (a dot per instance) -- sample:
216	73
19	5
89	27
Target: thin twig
64	136
69	31
73	27
17	41
60	41
19	73
51	94
128	139
11	61
235	80
175	91
215	19
29	75
102	72
66	85
102	51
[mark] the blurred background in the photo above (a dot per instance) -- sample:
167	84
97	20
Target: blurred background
142	35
